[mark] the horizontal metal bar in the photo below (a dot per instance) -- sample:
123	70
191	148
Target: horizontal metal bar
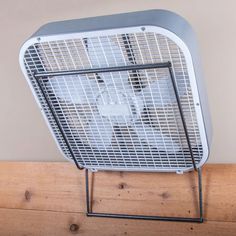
144	217
104	70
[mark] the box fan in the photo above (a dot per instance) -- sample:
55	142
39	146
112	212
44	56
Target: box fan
122	93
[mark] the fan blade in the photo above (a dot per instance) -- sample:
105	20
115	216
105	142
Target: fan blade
74	88
99	132
118	80
103	52
155	138
160	93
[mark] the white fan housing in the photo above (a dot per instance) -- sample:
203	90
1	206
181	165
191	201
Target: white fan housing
121	120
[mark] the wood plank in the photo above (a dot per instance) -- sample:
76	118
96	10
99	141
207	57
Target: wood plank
42	186
60	187
40	223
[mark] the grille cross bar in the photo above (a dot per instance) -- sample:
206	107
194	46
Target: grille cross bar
103	70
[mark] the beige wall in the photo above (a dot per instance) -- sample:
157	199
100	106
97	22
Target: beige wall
24	135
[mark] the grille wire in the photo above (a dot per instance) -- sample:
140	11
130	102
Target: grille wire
126	150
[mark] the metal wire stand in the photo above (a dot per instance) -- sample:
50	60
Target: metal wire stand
133	67
144	217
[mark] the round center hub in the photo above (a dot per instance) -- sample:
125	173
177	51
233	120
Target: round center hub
118	106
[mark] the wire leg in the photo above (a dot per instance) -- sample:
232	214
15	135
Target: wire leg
87	190
199	172
90	213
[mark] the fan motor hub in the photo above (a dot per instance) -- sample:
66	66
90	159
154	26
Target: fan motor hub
119	106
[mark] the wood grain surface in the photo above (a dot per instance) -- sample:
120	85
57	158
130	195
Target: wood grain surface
49	199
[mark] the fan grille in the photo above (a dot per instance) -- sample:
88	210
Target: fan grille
127	150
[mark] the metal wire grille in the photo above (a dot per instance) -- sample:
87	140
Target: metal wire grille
125	120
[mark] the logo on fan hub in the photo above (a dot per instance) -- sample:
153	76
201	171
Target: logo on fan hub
120	107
